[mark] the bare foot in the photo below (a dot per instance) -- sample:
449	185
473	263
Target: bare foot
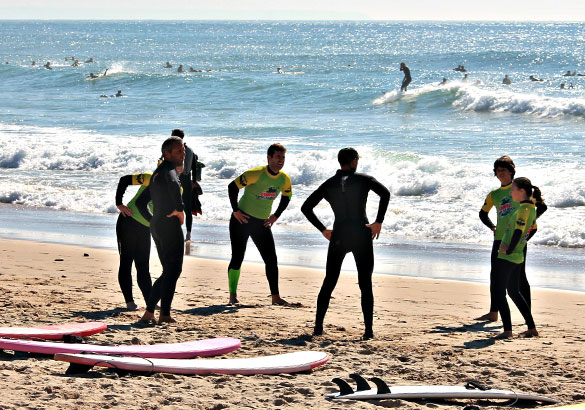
529	333
131	306
491	317
234	299
505	335
166	319
147	317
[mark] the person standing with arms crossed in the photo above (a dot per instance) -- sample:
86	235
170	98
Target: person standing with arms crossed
252	217
165	227
347	193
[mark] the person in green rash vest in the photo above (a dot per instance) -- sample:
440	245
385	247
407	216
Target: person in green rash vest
133	236
252	216
511	256
501	199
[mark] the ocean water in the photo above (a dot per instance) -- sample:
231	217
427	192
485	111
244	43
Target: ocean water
63	147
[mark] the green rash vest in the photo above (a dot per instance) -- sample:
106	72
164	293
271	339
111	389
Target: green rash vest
144	180
502	200
522	218
261	189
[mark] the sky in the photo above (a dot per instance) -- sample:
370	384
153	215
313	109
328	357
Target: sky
495	10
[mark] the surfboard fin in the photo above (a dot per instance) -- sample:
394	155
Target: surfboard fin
381	385
344	388
472	385
362	384
77	368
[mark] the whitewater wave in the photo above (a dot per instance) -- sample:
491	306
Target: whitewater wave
471	97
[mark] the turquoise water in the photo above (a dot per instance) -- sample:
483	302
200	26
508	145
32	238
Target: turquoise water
63	147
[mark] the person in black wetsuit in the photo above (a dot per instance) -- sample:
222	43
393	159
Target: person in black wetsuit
347	193
188	183
165	227
407	78
133	235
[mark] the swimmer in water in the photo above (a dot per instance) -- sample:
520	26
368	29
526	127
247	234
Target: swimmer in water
444	81
34	63
90	60
562	86
168	65
533	78
569	74
506	80
180	69
91	76
119	94
279	70
464	78
75	63
48	66
460	68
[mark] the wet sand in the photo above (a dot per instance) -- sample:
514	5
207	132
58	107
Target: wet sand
425	334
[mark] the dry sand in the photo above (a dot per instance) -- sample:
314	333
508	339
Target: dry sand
424	329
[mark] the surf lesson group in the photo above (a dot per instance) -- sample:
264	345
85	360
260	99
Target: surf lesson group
168	197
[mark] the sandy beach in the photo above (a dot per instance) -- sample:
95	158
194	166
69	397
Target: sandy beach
425	334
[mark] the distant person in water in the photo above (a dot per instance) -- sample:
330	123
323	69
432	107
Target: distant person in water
192	70
75	63
279	71
571	86
48	66
119	93
464	79
570	74
562	86
407	78
533	78
90	60
168	65
506	80
180	69
444	81
460	68
92	75
33	63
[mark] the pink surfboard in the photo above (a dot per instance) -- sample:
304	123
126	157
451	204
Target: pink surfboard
55	332
282	363
185	350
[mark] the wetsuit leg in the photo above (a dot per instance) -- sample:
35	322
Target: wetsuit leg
335	255
187	198
264	241
503	272
524	285
363	252
142	259
126	251
168	237
239	234
514	292
493	278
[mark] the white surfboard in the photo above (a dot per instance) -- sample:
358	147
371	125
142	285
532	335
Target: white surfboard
282	363
383	391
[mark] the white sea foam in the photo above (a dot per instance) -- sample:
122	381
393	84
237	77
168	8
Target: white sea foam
432	196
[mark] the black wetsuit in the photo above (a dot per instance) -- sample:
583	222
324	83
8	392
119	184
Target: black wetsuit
187	185
165	192
261	236
407	78
133	247
347	193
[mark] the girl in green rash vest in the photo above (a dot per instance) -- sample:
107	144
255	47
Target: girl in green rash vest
511	255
